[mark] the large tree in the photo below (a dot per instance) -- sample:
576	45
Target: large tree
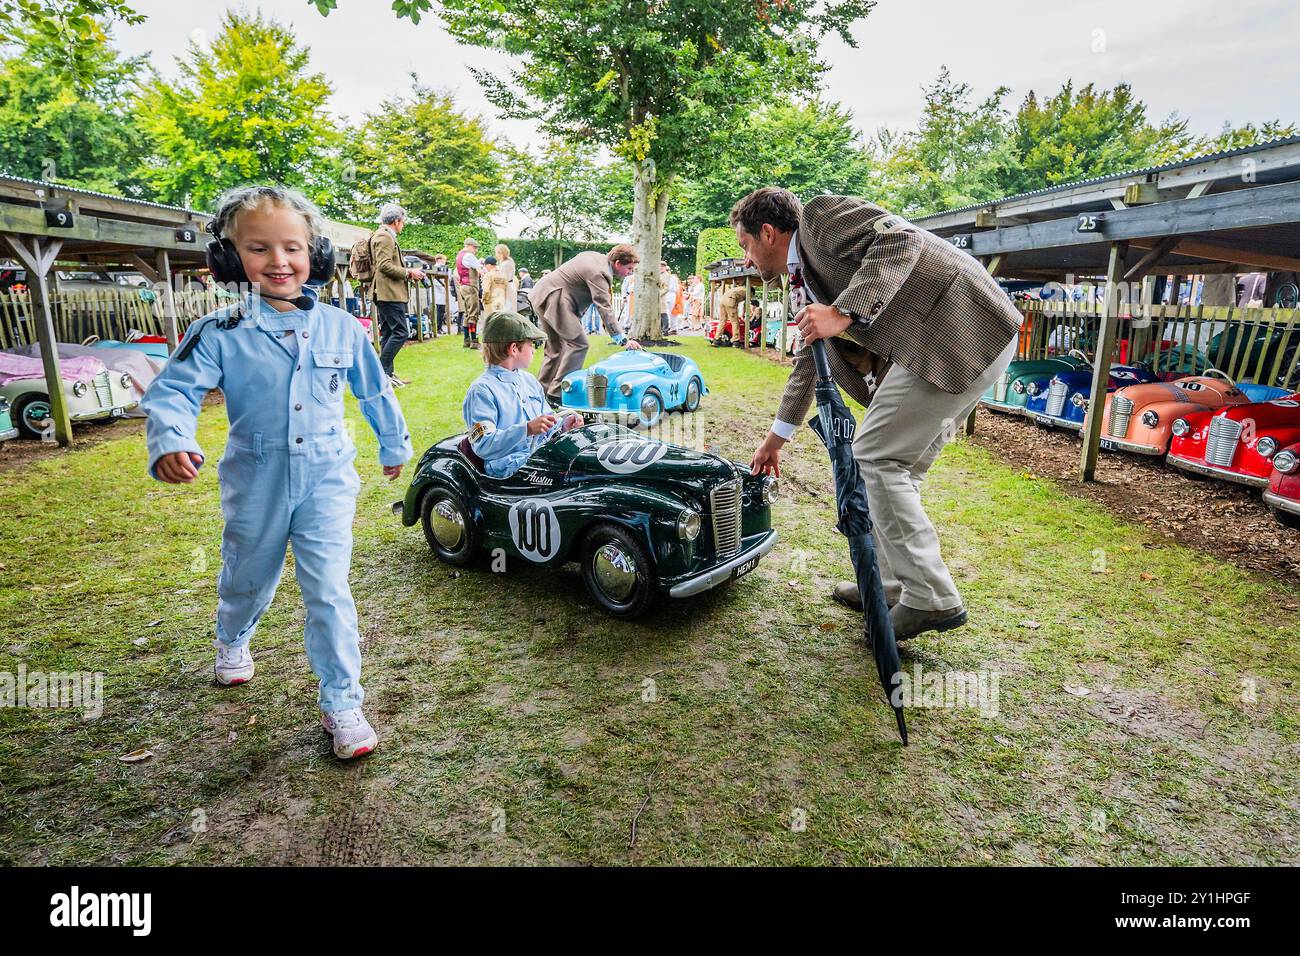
66	128
74	30
247	109
439	162
565	192
809	148
661	83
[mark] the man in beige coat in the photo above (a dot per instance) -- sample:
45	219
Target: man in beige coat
559	300
916	330
391	292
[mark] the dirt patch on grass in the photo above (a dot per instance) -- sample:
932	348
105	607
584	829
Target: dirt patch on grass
1226	520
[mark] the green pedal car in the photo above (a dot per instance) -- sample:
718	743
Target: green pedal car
643	518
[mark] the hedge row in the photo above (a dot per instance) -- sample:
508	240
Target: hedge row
715	244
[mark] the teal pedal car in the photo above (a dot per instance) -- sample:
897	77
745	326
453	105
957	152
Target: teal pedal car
1010	393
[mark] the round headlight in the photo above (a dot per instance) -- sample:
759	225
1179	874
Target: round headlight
1266	447
1150	419
1032	388
771	488
1078	400
1286	462
79	389
1018	387
688	525
4	404
625	388
1180	427
125	380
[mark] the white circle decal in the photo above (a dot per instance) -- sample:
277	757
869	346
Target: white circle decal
623	457
535	529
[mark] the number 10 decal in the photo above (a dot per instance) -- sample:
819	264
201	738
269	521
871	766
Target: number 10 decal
535	530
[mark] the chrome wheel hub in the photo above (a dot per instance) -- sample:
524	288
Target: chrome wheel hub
615	571
692	394
447	524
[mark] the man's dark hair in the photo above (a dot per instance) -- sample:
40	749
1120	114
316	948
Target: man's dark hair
771	204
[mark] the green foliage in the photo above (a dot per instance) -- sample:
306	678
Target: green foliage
73	31
420	151
245	110
714	244
445	238
808	148
57	127
568	195
1248	135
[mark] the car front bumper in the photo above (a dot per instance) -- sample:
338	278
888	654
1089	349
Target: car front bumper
1110	443
1054	421
723	572
8	434
1282	504
1212	471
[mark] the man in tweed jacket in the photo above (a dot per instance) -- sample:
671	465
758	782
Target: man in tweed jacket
916	330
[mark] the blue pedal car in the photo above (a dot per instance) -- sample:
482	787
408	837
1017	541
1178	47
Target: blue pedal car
1064	402
635	387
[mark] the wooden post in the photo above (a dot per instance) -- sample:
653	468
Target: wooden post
743	318
785	315
762	322
37	259
1101	363
164	267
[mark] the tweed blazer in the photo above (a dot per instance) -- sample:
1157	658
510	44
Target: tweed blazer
390	269
916	301
583	281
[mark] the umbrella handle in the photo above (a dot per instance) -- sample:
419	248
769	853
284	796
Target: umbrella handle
820	360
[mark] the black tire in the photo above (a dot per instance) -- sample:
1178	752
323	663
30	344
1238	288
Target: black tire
1286	518
22	405
461	552
640	589
653	420
689	405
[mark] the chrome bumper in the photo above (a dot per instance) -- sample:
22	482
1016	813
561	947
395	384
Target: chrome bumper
1253	481
1120	444
1282	504
398	505
11	433
715	576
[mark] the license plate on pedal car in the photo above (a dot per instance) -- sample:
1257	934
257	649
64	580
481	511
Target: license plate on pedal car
742	569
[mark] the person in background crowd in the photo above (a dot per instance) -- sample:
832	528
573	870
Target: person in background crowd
494	286
440	293
506	266
525	279
560	298
667	295
391	292
695	303
468	270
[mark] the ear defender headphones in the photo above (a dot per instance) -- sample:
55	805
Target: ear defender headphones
226	267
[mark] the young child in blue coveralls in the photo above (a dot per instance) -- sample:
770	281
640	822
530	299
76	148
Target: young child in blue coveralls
282	360
505	410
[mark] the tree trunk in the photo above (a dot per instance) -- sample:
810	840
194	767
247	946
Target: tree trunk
650	207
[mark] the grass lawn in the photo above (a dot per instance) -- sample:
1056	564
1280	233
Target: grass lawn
520	725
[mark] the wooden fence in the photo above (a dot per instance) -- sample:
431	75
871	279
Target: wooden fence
107	313
1248	344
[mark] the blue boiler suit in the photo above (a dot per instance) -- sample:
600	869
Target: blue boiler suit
498	407
287	474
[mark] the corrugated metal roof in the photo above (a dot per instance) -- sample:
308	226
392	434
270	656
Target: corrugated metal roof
1146	171
45	184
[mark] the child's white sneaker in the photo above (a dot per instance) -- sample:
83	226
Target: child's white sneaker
352	733
234	664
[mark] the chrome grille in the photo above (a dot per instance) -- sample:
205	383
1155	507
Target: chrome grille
597	389
1222	443
724	512
1121	413
1056	398
103	391
1000	387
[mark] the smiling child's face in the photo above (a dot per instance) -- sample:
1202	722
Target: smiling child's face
274	246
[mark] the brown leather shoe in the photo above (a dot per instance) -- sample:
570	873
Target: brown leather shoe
909	622
846	593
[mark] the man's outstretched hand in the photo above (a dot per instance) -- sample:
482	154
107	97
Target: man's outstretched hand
767	456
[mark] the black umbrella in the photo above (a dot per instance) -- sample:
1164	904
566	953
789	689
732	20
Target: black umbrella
835	426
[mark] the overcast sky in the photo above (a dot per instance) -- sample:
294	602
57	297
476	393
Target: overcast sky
1208	60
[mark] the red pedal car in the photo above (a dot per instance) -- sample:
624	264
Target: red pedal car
1237	442
1283	494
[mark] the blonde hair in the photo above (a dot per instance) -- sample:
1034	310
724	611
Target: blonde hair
247	198
502	251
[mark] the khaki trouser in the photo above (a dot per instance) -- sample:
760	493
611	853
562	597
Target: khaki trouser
730	303
905	427
566	342
467	296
